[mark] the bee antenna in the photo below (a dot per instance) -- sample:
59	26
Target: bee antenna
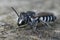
15	11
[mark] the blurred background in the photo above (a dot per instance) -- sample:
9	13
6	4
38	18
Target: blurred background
8	18
25	5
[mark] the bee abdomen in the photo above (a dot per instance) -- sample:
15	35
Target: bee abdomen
49	18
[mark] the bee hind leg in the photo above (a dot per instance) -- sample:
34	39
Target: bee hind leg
46	25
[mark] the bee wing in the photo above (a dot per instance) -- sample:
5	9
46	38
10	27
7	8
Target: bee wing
44	14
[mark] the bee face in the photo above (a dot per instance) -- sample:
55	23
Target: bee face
21	19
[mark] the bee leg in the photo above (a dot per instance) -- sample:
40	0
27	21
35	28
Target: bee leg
34	30
46	24
33	27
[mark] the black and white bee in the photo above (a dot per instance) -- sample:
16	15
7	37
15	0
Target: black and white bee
31	19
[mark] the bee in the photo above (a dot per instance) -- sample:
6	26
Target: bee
32	19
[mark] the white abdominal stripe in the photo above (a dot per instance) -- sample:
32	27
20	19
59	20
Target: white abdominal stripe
47	18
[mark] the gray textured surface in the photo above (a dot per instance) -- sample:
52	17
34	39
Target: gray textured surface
8	19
